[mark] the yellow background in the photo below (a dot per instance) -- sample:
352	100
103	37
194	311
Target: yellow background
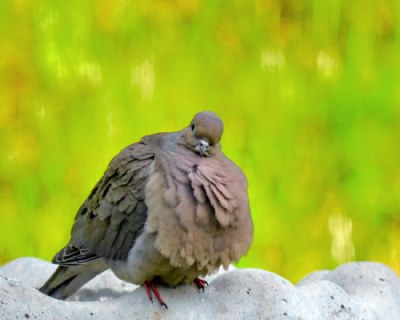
309	92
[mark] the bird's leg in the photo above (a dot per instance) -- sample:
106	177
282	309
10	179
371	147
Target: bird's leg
150	288
200	283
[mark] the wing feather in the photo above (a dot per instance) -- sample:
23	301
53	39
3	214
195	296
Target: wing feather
109	221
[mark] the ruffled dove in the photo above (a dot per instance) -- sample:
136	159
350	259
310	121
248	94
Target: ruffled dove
168	209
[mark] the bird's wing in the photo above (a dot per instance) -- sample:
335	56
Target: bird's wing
109	221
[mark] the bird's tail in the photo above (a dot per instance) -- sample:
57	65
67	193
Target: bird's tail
66	280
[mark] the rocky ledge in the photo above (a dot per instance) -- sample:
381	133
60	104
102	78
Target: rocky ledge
358	290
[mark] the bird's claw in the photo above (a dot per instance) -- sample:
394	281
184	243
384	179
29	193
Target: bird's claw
150	288
200	283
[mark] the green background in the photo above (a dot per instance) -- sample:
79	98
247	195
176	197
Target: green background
309	92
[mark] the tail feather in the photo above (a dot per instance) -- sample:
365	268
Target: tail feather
65	281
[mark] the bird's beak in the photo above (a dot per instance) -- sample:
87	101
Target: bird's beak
203	147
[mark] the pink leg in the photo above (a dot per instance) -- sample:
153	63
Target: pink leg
150	288
200	283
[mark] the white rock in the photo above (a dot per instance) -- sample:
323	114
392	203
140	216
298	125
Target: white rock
364	290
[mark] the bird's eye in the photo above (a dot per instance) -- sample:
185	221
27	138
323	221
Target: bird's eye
193	127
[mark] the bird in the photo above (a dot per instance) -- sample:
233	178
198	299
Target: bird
168	210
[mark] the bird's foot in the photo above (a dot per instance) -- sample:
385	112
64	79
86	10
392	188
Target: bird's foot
200	283
150	288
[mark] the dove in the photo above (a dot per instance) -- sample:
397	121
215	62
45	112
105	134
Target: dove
168	210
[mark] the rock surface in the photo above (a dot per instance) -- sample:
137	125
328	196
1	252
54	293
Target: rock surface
359	290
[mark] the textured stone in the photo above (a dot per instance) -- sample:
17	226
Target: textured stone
363	290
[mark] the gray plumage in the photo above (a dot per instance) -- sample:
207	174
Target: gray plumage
168	209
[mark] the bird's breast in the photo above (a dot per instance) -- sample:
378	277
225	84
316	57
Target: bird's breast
194	215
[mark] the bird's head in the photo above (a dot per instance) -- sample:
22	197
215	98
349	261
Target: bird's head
203	133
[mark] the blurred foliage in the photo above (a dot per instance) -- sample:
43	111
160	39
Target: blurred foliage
309	92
